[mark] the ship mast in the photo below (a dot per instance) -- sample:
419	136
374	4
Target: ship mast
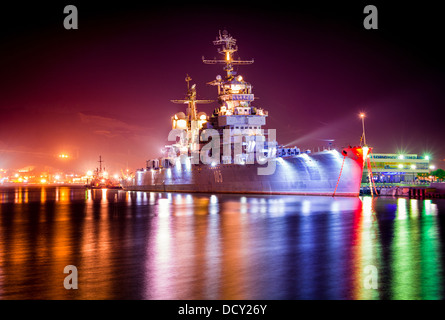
190	99
228	48
192	124
100	163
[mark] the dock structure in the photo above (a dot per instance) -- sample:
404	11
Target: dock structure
392	168
415	191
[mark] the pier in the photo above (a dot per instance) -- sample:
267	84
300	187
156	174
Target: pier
425	191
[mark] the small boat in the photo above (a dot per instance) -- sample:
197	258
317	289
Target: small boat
100	179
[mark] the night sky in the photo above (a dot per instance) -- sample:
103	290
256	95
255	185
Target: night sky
105	89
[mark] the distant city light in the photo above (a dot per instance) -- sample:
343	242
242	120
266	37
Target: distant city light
400	166
427	157
401	156
63	156
89	173
31	176
432	167
413	166
116	176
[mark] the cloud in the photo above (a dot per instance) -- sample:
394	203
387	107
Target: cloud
110	127
105	133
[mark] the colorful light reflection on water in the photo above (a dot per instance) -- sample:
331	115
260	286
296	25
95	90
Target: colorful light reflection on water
137	245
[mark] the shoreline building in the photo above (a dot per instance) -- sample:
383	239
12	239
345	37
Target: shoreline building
396	168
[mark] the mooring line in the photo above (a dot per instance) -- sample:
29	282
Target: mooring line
344	157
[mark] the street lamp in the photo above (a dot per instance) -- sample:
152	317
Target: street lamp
362	115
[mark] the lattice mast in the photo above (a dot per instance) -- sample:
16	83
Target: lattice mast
190	99
192	122
228	48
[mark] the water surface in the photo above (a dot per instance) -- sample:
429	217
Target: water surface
136	245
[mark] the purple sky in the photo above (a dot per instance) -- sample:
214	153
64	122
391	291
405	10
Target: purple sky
105	89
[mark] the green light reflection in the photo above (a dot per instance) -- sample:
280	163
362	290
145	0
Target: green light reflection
415	252
430	249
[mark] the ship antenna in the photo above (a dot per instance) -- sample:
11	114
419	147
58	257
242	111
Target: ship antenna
188	79
228	48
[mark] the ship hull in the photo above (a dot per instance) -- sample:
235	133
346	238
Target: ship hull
314	174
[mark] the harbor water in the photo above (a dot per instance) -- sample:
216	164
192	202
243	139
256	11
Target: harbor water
142	245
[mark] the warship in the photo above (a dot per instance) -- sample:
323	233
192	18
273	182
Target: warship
229	151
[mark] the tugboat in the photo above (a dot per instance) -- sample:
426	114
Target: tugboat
229	151
100	179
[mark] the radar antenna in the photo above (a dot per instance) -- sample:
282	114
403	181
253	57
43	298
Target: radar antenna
228	48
